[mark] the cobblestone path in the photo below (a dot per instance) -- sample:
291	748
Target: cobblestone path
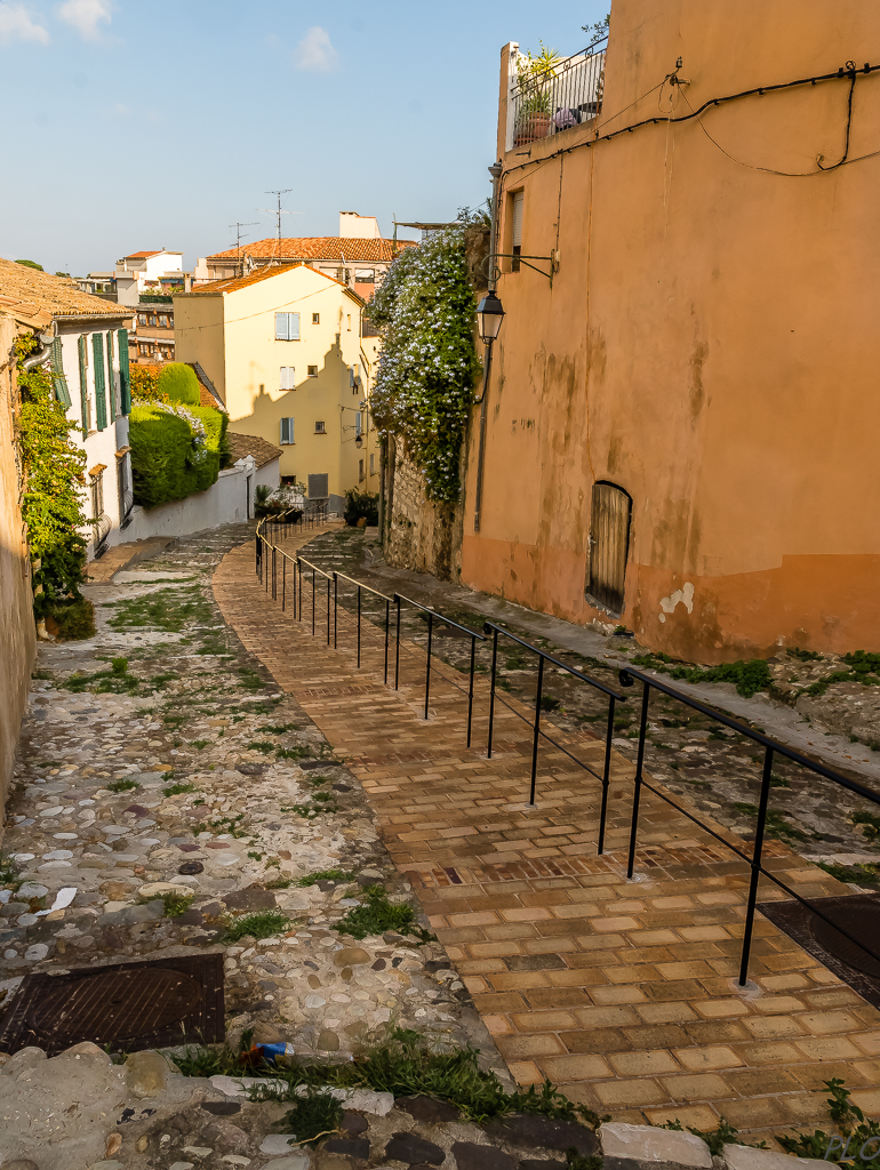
622	992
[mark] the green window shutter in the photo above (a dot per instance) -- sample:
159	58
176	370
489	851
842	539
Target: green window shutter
111	377
58	380
124	373
83	384
100	397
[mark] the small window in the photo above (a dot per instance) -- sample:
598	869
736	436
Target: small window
516	227
287	380
316	318
609	545
287	326
286	432
320	427
313	371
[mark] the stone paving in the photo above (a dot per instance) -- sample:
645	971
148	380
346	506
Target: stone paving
623	992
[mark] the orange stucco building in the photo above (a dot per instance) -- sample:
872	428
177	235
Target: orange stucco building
707	350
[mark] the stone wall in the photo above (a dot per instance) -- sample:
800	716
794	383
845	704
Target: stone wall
17	633
419	534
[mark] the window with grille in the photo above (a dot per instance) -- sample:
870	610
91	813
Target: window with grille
286	431
609	545
287	326
287	378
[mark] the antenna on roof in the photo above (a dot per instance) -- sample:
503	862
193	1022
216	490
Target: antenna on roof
277	210
238	226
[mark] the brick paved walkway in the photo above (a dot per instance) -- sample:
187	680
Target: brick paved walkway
622	992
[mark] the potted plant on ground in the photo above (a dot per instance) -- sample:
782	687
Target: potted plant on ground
535	73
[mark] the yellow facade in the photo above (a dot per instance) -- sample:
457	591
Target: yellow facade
319	377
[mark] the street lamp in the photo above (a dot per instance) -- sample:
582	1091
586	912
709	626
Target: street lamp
490	312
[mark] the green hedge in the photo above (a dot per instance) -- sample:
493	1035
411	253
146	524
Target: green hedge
165	460
180	383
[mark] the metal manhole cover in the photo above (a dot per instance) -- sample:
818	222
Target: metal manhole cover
858	915
127	1006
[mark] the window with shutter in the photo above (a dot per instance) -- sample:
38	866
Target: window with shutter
100	395
59	382
287	326
111	377
124	373
286	431
84	384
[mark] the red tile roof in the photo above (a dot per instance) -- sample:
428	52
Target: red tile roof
352	251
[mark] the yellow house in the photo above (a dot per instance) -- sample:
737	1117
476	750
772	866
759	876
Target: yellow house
283	348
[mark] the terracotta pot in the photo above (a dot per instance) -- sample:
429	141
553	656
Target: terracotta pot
531	127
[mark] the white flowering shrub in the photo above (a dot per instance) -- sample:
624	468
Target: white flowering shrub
428	365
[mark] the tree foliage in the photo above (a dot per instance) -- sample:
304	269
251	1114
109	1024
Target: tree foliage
52	504
428	365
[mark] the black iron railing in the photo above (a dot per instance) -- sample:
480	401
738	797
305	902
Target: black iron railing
753	857
538	733
334	587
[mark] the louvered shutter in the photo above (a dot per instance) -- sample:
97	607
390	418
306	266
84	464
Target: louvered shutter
111	377
83	383
100	396
59	382
124	373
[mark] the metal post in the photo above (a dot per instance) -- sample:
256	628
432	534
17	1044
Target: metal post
470	722
606	774
359	627
492	692
766	776
397	646
539	689
314	593
335	609
283	583
428	661
637	789
387	631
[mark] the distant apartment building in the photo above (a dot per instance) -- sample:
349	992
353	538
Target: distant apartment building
84	343
358	257
282	346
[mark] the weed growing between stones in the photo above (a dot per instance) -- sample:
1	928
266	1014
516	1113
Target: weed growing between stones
260	924
315	1115
325	875
123	785
377	913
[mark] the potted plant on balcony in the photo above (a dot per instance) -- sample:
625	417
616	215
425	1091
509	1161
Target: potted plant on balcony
535	73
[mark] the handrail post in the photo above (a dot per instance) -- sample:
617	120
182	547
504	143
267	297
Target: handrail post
359	629
387	631
428	661
492	692
397	645
335	609
470	721
606	774
637	785
763	801
539	690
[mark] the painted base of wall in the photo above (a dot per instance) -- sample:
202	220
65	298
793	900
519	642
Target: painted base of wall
826	603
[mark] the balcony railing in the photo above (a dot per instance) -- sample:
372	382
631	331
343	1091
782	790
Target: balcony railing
556	97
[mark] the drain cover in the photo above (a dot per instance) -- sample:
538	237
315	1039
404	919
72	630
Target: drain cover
127	1006
858	915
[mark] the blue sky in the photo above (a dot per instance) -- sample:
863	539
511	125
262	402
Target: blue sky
145	125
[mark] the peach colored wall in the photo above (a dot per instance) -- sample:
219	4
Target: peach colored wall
706	343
